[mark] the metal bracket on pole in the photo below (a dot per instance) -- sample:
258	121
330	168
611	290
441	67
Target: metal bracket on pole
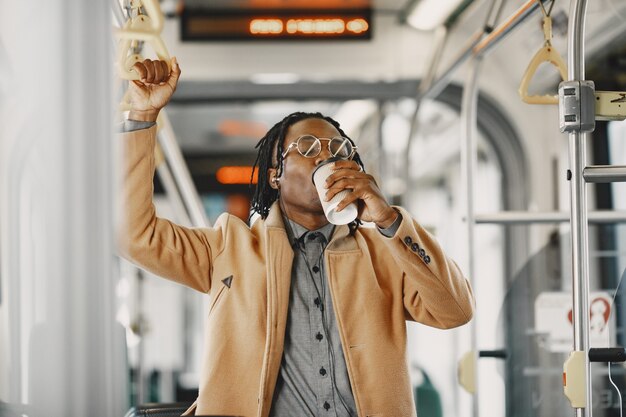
577	106
467	371
574	377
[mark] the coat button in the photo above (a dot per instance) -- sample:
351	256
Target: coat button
427	259
415	247
408	240
319	336
422	253
322	371
326	405
316	268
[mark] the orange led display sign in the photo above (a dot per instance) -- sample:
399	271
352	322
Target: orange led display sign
308	26
276	25
236	175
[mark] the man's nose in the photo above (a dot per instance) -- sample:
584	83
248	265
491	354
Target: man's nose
323	155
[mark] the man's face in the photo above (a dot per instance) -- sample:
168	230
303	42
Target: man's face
296	188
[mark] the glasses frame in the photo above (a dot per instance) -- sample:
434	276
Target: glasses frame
295	144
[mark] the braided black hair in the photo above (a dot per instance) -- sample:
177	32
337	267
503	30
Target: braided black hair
270	156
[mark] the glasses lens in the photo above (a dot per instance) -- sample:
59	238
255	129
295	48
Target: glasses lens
341	147
309	146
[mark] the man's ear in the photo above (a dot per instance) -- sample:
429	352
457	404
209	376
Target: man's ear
272	178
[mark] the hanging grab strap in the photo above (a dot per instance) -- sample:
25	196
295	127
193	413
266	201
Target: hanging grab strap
144	27
546	54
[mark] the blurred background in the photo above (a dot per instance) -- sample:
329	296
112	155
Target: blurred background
83	332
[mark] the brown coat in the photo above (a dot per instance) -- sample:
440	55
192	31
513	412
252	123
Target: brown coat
376	284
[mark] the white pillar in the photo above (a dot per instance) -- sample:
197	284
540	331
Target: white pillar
60	348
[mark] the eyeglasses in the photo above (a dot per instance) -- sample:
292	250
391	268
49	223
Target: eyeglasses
310	146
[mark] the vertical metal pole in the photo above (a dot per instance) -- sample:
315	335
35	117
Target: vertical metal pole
441	36
578	201
174	157
469	119
169	184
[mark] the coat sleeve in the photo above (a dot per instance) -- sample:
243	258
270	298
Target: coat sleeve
182	254
434	291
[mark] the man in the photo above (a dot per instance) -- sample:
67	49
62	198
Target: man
306	318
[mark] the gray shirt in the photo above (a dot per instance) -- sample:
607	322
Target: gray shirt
313	378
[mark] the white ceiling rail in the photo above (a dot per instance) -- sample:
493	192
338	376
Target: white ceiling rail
481	42
605	173
528	218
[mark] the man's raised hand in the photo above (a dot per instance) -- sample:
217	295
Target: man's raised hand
153	90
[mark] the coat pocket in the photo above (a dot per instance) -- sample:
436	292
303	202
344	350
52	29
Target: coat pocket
220	293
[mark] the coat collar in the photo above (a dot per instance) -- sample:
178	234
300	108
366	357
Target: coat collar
340	241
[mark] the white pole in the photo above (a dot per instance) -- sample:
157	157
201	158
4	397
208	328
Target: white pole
578	202
66	353
469	120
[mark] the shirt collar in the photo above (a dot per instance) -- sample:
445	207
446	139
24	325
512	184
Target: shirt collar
302	232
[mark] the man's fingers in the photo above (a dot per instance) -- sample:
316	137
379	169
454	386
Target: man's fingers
140	69
347	164
350	198
159	74
355	185
345	173
174	74
141	86
165	71
149	70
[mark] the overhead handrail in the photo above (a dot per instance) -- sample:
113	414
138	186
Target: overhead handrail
481	46
547	54
610	105
512	217
605	173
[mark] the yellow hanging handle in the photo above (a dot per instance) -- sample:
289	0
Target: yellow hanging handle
467	371
143	27
546	54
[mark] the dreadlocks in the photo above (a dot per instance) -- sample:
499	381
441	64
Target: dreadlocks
270	156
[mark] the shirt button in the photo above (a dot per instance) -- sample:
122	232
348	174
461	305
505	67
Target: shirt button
322	371
319	336
326	405
316	268
317	301
312	236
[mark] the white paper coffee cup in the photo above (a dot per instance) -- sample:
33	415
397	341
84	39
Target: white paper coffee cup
350	212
